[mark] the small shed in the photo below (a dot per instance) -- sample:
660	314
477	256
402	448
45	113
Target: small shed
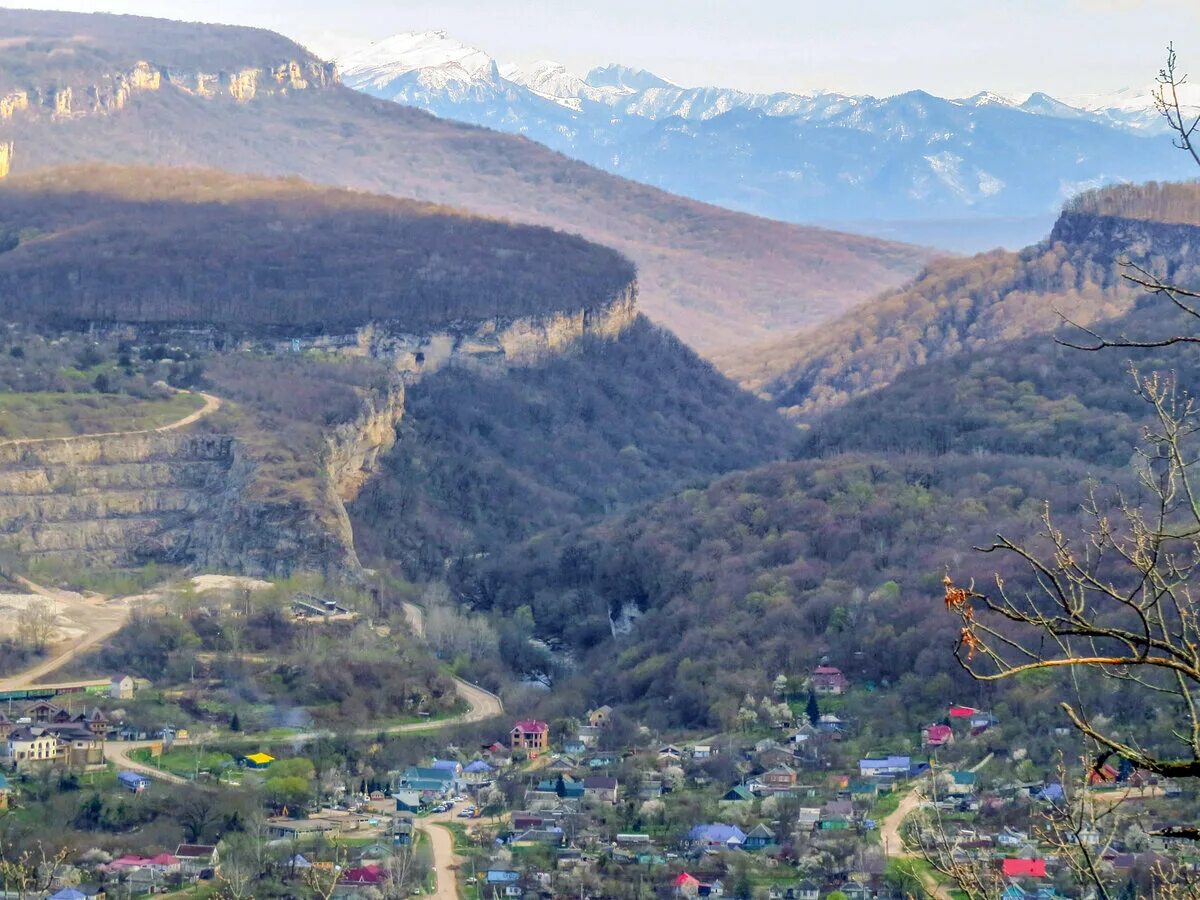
258	760
132	781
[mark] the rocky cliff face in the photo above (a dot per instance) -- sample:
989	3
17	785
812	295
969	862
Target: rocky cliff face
494	343
196	500
1166	247
110	93
117	499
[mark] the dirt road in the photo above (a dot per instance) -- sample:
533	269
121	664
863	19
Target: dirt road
103	618
117	753
211	405
893	845
445	860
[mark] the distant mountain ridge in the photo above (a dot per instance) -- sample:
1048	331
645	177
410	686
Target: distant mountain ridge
963	307
714	277
800	157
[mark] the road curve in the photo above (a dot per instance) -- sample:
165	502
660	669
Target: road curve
211	405
105	620
893	844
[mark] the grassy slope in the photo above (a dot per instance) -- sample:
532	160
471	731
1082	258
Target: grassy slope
52	415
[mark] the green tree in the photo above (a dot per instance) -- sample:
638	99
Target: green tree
812	710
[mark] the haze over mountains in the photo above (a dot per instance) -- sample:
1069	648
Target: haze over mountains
904	166
263	105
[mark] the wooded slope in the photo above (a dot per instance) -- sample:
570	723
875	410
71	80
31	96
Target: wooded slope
106	244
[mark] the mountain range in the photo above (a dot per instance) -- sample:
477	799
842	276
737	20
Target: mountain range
248	101
962	173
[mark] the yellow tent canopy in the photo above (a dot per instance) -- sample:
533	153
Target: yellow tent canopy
260	759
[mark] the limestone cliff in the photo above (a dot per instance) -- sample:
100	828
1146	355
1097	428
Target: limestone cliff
354	448
493	342
110	92
200	499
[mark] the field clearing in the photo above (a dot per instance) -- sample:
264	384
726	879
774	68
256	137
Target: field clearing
67	627
25	416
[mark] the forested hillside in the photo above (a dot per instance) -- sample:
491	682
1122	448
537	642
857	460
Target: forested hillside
91	244
961	306
486	458
43	48
768	572
715	277
687	605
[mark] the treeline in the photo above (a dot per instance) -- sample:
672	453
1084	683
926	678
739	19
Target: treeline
1172	203
169	246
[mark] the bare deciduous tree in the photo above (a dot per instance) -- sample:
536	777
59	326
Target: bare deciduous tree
35	625
1116	597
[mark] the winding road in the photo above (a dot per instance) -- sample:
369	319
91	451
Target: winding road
105	616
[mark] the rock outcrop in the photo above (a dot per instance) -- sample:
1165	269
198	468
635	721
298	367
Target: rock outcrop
6	158
197	499
111	92
496	342
111	500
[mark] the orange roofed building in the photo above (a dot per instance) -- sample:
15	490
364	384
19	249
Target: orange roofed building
531	735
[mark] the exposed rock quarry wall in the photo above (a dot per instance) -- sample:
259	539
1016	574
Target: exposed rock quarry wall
191	499
114	499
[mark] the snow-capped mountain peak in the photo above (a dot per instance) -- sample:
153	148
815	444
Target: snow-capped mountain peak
988	98
615	75
439	59
552	80
821	155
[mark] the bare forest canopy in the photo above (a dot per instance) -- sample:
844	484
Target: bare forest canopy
715	277
102	244
1169	203
964	305
485	459
40	48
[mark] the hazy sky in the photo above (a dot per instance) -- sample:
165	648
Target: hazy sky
948	47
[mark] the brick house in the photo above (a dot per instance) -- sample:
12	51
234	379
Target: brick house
531	735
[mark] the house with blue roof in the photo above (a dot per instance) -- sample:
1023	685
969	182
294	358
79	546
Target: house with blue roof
477	772
454	767
717	836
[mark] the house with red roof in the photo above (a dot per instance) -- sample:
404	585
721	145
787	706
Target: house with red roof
1024	868
829	680
685	885
354	881
531	735
962	712
937	735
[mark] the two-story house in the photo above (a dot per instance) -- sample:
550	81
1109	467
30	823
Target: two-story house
530	735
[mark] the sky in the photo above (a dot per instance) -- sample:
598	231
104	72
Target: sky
952	48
